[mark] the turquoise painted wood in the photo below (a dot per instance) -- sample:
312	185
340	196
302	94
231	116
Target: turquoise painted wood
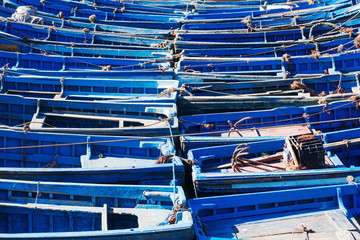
83	10
33	210
329	46
62	63
87	159
262	125
151	74
96	27
92	195
49	33
90	89
341	62
269	11
16	44
331	13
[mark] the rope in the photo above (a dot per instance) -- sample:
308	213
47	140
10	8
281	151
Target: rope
110	141
283	120
45	52
320	24
178	207
146	138
331	31
37	192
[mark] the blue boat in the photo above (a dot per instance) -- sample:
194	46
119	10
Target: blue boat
151	74
71	9
61	63
269	10
88	211
286	65
90	89
98	27
240	21
88	159
242	94
50	33
242	127
320	160
329	46
198	78
217	85
275	36
88	117
18	44
91	195
313	213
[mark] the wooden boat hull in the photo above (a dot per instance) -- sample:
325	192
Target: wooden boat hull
329	211
265	124
92	73
90	89
210	181
87	159
80	117
87	211
61	63
201	104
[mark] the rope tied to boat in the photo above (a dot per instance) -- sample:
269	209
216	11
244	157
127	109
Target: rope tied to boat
350	31
173	33
3	74
50	29
92	18
60	15
116	11
85	30
306	231
73	9
311	2
315	54
336	27
107	68
205	125
164	158
247	21
148	62
351	180
38	193
162	44
178	207
53	164
357	42
339	89
286	58
340	48
299	85
26	128
356	100
347	144
167	92
162	69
